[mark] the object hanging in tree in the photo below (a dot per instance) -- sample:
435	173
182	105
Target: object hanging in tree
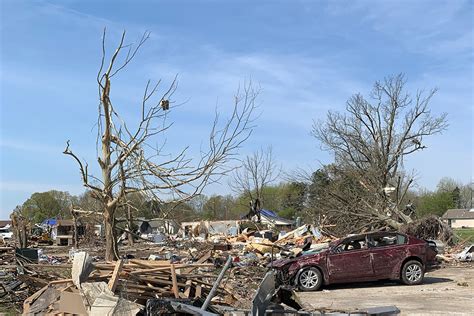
165	104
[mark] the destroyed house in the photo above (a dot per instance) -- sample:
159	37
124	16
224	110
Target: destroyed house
153	225
160	225
228	227
459	218
272	219
62	230
6	230
4	223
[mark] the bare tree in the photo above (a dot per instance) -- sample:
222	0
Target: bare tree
370	142
257	171
130	161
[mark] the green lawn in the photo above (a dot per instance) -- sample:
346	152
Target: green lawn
465	233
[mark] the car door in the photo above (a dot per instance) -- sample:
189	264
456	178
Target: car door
347	263
387	250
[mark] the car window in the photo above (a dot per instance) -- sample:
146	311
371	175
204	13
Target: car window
351	245
401	239
384	240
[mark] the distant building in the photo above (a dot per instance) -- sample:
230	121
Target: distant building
62	230
228	227
156	225
4	223
6	231
459	218
271	218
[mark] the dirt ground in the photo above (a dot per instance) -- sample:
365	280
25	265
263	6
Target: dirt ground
447	291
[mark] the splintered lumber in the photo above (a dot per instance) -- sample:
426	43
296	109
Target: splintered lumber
150	263
45	265
176	266
61	281
144	288
175	282
203	259
114	279
143	279
216	284
187	288
198	291
29	301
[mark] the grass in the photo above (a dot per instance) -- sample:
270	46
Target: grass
465	234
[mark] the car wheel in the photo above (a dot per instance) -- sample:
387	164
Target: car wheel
412	272
310	279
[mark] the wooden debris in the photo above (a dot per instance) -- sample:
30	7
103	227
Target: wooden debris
114	279
175	282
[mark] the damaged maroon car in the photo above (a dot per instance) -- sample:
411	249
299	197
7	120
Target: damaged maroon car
359	258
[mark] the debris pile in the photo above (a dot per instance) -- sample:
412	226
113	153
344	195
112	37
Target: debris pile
462	252
13	291
125	286
262	246
173	269
431	227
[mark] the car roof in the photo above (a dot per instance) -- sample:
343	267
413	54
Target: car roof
372	233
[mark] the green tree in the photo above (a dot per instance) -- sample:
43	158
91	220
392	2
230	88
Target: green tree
43	205
456	193
218	207
436	203
293	196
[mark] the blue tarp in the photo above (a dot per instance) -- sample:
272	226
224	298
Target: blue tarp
50	221
269	213
274	217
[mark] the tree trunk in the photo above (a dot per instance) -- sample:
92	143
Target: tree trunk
23	235
74	241
74	222
130	225
393	223
111	250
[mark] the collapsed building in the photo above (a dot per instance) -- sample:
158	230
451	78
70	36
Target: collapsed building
61	231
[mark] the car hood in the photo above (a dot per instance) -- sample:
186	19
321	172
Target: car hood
308	256
281	262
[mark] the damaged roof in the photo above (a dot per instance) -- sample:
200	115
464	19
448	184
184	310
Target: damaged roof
459	214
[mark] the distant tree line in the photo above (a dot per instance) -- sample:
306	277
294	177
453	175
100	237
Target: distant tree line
289	199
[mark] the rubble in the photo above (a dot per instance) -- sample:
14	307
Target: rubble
53	277
175	273
467	254
431	227
457	254
101	288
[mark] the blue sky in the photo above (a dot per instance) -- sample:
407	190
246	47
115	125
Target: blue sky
307	56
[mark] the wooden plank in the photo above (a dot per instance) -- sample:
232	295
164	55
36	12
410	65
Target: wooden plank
143	287
203	259
187	288
114	279
152	263
175	282
30	300
45	265
60	281
176	266
198	291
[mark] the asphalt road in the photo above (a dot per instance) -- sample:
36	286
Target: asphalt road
448	291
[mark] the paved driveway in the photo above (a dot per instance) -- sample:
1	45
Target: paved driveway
448	291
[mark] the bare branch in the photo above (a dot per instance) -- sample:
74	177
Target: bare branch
369	143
